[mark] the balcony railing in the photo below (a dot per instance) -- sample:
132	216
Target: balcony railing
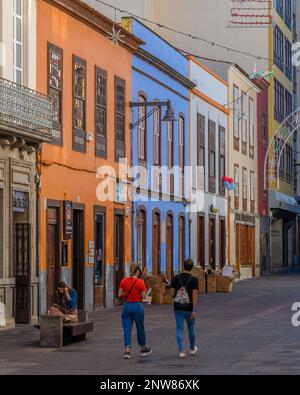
24	107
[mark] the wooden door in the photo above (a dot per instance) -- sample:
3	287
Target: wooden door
22	265
78	256
252	249
237	247
222	256
156	269
212	242
169	247
52	254
201	241
142	238
100	254
119	253
181	242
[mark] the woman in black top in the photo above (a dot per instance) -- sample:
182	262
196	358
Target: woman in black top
185	293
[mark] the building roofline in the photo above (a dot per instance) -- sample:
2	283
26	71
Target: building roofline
206	68
156	34
97	21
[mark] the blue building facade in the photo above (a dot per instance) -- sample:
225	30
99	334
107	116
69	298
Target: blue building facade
160	209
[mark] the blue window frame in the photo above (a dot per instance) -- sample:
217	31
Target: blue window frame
278	48
288	103
288	13
288	60
279	7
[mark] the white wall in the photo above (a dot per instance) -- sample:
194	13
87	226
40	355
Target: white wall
29	41
216	90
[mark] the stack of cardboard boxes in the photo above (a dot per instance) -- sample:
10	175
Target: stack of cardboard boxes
211	282
201	275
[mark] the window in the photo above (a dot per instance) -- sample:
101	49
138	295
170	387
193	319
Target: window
156	136
288	103
245	189
101	112
181	143
236	132
222	160
279	7
170	150
212	156
281	164
279	101
278	48
79	104
237	186
244	122
252	192
251	127
288	13
120	117
18	41
201	151
142	240
55	89
289	163
181	154
288	59
142	133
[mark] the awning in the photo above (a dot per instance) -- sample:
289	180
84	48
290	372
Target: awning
281	201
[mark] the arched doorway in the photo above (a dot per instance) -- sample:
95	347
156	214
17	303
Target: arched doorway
141	237
156	268
169	246
181	241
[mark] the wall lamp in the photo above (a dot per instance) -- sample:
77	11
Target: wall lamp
169	116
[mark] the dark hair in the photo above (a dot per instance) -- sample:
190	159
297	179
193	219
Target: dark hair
62	284
188	264
135	270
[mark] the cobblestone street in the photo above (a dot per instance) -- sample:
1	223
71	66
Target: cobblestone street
246	332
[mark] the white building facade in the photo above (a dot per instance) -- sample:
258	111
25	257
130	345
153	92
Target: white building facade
208	147
25	123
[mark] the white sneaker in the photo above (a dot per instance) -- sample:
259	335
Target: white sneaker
194	351
182	355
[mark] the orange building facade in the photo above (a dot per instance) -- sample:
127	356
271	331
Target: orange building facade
84	241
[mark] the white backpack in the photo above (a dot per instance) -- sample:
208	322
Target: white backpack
182	296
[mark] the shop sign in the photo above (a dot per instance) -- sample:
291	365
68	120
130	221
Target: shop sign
20	201
68	220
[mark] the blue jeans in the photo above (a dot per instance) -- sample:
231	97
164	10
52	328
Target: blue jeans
133	312
182	316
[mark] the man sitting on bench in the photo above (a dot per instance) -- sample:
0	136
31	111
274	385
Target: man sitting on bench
66	303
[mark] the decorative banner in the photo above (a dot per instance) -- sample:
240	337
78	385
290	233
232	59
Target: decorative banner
68	220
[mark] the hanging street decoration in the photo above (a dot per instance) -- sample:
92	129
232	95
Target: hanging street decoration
229	183
263	74
116	35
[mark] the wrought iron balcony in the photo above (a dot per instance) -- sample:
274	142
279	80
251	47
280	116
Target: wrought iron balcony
24	109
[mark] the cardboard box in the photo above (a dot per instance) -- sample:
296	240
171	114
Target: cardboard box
211	283
202	285
225	284
167	297
198	272
158	297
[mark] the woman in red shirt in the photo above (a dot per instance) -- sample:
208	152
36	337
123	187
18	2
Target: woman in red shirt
133	291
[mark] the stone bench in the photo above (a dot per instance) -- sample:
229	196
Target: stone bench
55	333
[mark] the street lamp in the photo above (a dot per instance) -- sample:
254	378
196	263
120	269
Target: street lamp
169	116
